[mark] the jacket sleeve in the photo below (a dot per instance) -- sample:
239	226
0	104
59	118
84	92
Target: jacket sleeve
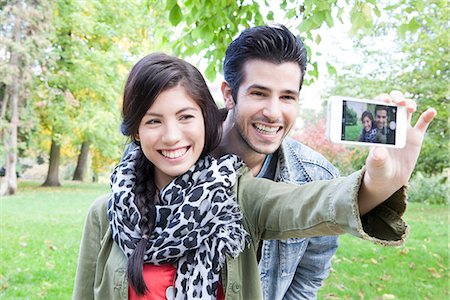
276	210
90	246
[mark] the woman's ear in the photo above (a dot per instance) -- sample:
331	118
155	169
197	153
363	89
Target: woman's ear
136	137
227	97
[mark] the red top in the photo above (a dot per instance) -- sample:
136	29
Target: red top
158	279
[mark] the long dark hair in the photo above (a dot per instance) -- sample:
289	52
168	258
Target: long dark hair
150	76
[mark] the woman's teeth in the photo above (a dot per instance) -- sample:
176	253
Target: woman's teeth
174	153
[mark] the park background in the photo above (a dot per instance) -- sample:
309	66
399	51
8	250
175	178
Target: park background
62	69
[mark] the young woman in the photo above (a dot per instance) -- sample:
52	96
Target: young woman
180	224
368	132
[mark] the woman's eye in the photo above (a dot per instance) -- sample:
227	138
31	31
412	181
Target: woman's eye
186	117
152	122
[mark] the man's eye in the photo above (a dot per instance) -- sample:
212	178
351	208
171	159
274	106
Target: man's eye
256	93
289	98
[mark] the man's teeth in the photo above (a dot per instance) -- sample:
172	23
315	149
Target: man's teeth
266	129
174	153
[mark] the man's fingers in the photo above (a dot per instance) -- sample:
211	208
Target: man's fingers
411	107
384	98
425	119
398	97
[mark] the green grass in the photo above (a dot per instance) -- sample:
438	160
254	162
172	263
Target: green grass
40	234
352	132
41	230
417	270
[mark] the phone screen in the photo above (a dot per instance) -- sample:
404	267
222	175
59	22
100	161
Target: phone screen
368	123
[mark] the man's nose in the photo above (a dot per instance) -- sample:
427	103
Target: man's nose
272	109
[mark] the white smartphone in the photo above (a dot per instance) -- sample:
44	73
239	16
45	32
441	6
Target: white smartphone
366	122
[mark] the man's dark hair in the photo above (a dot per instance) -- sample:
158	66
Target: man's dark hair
381	107
275	44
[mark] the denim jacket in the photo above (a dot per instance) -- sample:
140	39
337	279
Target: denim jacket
295	268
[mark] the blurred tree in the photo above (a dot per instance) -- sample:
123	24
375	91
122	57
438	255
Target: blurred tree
24	33
94	44
418	63
77	79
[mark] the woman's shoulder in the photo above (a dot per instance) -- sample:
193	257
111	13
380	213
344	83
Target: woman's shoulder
99	206
97	222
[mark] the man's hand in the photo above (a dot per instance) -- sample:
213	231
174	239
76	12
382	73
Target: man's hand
388	169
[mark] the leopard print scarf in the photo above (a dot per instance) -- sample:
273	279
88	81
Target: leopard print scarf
198	222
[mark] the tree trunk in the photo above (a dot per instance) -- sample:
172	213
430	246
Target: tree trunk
9	138
8	185
80	170
53	166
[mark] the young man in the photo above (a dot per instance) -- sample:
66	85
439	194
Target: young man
384	133
264	69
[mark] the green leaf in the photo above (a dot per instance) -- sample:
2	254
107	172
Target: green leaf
413	26
315	71
367	11
331	69
291	13
401	30
318	18
175	15
318	39
377	11
211	71
170	4
329	18
305	26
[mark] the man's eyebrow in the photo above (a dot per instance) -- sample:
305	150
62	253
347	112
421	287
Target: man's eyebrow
261	87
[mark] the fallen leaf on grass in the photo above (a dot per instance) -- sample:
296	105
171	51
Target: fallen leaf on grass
50	265
385	277
49	245
346	259
387	297
331	296
3	283
374	261
404	251
434	273
437	256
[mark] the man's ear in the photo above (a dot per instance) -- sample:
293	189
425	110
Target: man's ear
227	97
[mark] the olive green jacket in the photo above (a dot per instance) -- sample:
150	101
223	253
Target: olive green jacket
270	211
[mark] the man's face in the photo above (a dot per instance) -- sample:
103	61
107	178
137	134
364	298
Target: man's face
266	106
381	118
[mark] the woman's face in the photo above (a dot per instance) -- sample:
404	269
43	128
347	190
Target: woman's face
172	134
367	123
